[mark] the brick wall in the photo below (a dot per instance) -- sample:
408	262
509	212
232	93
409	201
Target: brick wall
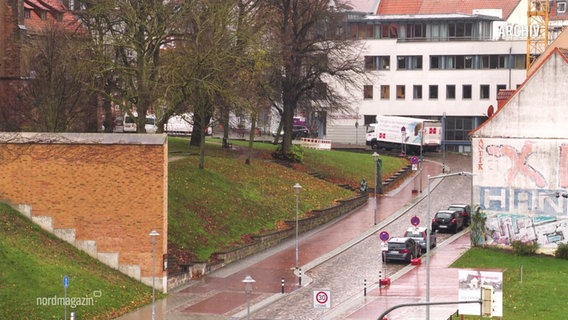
110	188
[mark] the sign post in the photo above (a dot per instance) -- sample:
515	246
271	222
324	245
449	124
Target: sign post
322	299
65	285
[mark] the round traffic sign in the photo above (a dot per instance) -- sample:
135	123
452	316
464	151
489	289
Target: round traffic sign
415	221
321	297
384	236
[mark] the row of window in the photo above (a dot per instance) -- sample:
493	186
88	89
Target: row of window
449	62
433	91
421	31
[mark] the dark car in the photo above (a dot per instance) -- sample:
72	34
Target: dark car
465	211
401	249
447	220
300	132
419	235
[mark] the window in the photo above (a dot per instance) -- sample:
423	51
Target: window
417	92
385	92
435	62
377	62
450	92
400	92
484	91
466	91
409	62
368	92
499	88
43	15
561	7
27	13
433	92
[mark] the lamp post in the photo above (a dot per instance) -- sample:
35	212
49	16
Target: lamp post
297	188
375	162
429	230
248	281
153	235
444	142
402	145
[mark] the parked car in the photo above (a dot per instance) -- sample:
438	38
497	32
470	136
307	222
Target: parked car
401	249
300	132
419	235
297	132
465	211
447	220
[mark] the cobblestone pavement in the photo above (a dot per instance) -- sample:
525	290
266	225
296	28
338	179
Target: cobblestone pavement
340	257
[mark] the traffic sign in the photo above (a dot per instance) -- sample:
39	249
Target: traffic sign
414	160
415	221
384	236
322	299
65	282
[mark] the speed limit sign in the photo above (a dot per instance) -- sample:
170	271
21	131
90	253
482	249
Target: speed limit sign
322	299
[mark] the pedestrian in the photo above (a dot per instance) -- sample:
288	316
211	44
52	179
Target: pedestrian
363	187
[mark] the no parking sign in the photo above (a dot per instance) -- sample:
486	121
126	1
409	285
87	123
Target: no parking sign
322	299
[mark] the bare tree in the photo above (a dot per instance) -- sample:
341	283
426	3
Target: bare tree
57	99
313	56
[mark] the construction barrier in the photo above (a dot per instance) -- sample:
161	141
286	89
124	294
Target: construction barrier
319	144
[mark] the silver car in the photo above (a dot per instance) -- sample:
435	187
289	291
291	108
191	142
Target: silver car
419	235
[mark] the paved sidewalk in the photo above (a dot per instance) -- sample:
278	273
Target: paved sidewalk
221	295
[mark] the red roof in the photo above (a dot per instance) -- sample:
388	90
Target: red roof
444	6
56	13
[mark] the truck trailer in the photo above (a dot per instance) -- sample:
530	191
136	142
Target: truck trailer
405	133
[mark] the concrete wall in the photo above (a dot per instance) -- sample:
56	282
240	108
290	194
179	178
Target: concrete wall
103	193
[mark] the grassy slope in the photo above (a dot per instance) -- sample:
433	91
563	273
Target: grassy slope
33	264
211	209
534	287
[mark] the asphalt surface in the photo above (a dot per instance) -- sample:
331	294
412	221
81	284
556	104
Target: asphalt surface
342	260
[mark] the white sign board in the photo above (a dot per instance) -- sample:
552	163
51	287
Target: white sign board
322	299
471	283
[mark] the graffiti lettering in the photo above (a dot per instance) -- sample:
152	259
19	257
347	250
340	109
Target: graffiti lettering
519	162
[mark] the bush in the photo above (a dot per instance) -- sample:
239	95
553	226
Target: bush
562	251
524	248
296	154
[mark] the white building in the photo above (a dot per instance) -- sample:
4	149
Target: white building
435	59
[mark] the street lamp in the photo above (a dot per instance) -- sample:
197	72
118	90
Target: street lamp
375	162
297	188
153	235
248	281
428	231
402	145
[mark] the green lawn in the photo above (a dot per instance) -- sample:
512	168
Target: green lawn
33	264
534	287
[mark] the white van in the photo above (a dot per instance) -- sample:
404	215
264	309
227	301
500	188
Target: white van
130	123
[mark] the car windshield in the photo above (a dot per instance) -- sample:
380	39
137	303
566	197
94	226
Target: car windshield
457	208
412	234
443	215
397	246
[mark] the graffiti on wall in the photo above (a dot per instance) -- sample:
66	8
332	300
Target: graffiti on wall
520	186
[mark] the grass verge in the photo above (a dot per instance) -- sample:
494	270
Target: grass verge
534	287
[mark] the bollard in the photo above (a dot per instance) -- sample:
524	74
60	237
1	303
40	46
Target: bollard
300	278
282	285
365	287
380	278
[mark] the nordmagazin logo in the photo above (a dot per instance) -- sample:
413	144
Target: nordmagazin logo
72	302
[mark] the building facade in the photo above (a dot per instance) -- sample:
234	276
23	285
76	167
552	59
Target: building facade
436	60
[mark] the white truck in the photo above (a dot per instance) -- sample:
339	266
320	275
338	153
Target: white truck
407	134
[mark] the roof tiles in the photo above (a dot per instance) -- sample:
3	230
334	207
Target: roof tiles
387	7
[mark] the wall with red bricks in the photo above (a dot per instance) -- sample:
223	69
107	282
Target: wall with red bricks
110	188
